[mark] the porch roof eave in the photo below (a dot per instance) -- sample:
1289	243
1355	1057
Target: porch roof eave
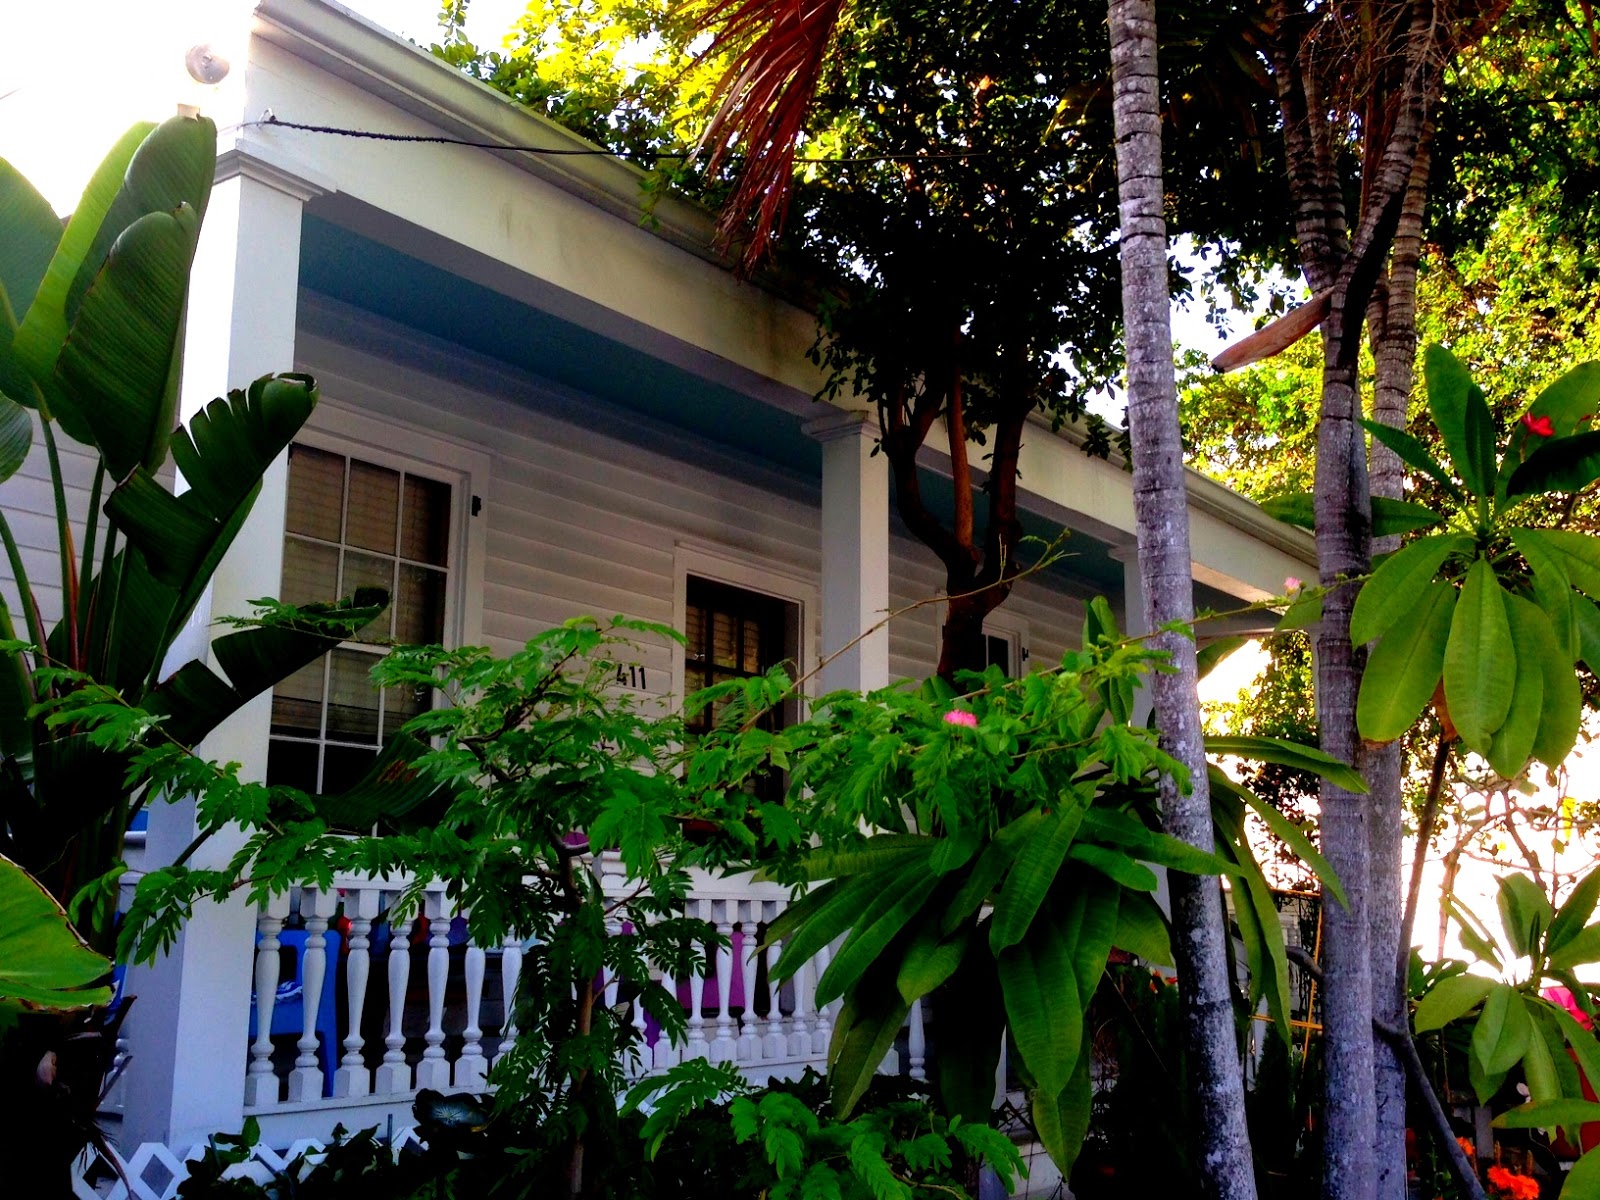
678	295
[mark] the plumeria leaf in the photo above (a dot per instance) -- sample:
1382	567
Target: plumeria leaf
1393	517
1449	388
1413	453
1500	1038
1586	626
1571	401
1292	508
1397	588
1404	668
1577	555
1480	659
1449	1000
1512	743
1567	464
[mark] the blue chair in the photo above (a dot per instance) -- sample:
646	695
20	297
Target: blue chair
289	1007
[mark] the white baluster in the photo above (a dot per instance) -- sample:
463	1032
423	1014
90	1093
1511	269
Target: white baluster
916	1044
472	1068
433	1071
775	1044
695	1045
261	1083
510	973
724	1048
394	1076
361	906
664	1054
749	961
800	1022
640	1061
306	1081
823	1033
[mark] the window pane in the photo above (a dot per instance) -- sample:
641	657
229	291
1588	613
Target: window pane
367	570
310	572
343	767
352	697
400	704
297	702
751	659
694	629
425	521
723	636
1000	653
316	492
419	606
374	507
292	764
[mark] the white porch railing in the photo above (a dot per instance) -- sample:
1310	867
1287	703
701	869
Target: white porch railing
419	1004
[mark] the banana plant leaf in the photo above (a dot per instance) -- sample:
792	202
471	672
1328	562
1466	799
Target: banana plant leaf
195	699
44	964
223	454
32	233
118	372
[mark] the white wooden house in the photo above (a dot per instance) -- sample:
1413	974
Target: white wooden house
534	406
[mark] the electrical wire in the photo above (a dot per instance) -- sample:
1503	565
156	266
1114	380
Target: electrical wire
272	121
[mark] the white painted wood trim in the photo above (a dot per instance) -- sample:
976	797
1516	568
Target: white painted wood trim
465	468
753	573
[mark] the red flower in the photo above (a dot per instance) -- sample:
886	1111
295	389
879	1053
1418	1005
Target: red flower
1538	426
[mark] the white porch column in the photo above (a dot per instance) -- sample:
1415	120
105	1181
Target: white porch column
855	552
189	1028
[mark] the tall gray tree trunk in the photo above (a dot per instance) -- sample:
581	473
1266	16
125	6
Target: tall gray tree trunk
1162	515
1351	263
1392	326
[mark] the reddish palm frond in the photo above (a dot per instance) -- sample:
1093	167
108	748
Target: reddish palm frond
762	100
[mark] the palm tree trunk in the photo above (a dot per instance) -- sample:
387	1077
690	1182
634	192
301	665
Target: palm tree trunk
1162	516
1393	333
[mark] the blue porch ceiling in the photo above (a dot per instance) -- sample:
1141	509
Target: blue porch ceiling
370	275
373	276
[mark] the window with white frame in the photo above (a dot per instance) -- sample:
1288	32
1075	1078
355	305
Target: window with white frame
735	633
1005	641
352	522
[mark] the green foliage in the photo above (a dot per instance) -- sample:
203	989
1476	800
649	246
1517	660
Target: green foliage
987	849
1489	607
44	964
888	1152
91	323
530	761
1515	1027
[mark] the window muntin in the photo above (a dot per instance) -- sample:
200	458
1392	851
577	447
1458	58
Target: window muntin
353	523
735	633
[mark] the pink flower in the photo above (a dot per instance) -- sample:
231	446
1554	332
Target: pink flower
957	716
1291	584
1538	426
1561	996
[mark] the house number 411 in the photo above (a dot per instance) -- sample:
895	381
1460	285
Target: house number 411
631	676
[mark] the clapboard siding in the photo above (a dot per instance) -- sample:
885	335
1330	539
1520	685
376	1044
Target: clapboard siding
28	501
578	519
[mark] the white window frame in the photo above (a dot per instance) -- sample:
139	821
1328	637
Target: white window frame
1001	623
465	470
753	573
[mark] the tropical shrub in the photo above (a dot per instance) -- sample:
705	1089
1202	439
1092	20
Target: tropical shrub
1482	617
987	849
1515	1031
91	342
